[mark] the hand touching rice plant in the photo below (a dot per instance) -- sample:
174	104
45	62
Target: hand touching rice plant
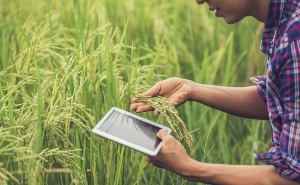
167	109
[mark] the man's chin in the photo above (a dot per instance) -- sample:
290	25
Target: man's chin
231	21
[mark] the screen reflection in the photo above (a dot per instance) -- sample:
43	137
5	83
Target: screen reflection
131	129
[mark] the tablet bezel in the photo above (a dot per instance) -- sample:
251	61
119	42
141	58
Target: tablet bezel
139	148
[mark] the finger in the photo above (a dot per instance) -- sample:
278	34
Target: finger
144	108
156	112
136	105
147	158
141	107
151	160
162	134
158	165
173	102
134	100
153	90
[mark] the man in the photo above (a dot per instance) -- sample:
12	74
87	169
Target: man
276	97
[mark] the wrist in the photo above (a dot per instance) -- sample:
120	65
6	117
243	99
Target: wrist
193	170
193	93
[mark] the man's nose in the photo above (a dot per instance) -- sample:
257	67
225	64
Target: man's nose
200	1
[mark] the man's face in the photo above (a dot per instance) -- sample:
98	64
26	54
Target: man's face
232	11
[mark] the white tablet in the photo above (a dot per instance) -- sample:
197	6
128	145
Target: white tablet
130	130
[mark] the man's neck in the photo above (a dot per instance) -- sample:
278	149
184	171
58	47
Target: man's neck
261	10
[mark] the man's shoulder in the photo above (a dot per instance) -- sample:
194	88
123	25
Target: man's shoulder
290	26
289	31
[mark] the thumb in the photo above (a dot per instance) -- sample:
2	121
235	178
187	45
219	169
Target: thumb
162	134
153	90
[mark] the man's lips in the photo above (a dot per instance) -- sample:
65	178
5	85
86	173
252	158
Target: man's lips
213	9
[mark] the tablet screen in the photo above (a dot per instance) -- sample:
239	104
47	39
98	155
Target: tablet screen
131	129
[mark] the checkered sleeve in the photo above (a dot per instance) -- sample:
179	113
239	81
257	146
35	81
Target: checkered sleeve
261	86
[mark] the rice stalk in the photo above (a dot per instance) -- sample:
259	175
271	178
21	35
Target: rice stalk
168	111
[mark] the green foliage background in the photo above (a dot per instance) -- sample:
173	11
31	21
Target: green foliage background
65	63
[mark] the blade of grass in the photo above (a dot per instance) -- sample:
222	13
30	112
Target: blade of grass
119	166
3	48
22	31
11	115
153	66
109	79
39	129
2	107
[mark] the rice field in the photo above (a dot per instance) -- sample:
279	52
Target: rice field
65	63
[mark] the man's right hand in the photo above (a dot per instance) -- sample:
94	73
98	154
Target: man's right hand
176	90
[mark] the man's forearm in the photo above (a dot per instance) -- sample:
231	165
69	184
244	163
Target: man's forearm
234	174
239	101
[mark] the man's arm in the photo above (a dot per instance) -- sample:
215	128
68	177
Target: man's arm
173	157
234	174
239	101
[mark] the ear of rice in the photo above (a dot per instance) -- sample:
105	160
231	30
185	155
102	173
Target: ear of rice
169	112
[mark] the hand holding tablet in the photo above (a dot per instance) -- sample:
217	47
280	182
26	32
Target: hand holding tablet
130	130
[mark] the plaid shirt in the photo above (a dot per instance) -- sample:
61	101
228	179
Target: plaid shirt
280	88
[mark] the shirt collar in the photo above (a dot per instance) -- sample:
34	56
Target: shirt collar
272	24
